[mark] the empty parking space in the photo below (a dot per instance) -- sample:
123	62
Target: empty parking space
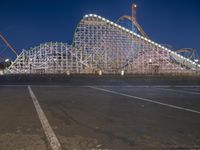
19	125
176	96
87	118
99	117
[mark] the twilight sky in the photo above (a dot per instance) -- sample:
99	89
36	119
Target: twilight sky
27	23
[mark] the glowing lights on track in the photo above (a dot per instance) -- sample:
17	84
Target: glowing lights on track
141	37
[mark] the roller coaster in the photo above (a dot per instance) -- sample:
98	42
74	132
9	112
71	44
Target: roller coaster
102	46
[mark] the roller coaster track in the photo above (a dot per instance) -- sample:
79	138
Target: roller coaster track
7	43
189	51
135	23
102	45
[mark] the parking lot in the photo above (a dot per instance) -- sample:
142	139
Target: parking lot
109	115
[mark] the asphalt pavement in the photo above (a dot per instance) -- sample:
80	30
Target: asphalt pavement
114	114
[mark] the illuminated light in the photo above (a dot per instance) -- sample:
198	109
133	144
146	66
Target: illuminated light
127	30
86	16
95	15
119	27
1	72
115	25
7	60
131	32
142	37
122	73
91	15
103	19
145	39
150	60
100	73
135	6
124	29
196	60
68	72
170	50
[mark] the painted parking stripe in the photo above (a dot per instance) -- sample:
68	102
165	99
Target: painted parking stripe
51	137
179	91
146	100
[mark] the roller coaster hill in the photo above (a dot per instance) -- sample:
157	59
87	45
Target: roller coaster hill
101	46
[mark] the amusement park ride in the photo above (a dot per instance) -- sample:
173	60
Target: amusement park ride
102	46
189	53
5	62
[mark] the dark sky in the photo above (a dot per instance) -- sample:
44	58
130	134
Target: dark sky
27	23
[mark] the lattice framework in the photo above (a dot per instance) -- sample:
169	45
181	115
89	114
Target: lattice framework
101	45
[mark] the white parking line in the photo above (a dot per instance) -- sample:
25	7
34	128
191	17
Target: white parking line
145	99
179	91
51	137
